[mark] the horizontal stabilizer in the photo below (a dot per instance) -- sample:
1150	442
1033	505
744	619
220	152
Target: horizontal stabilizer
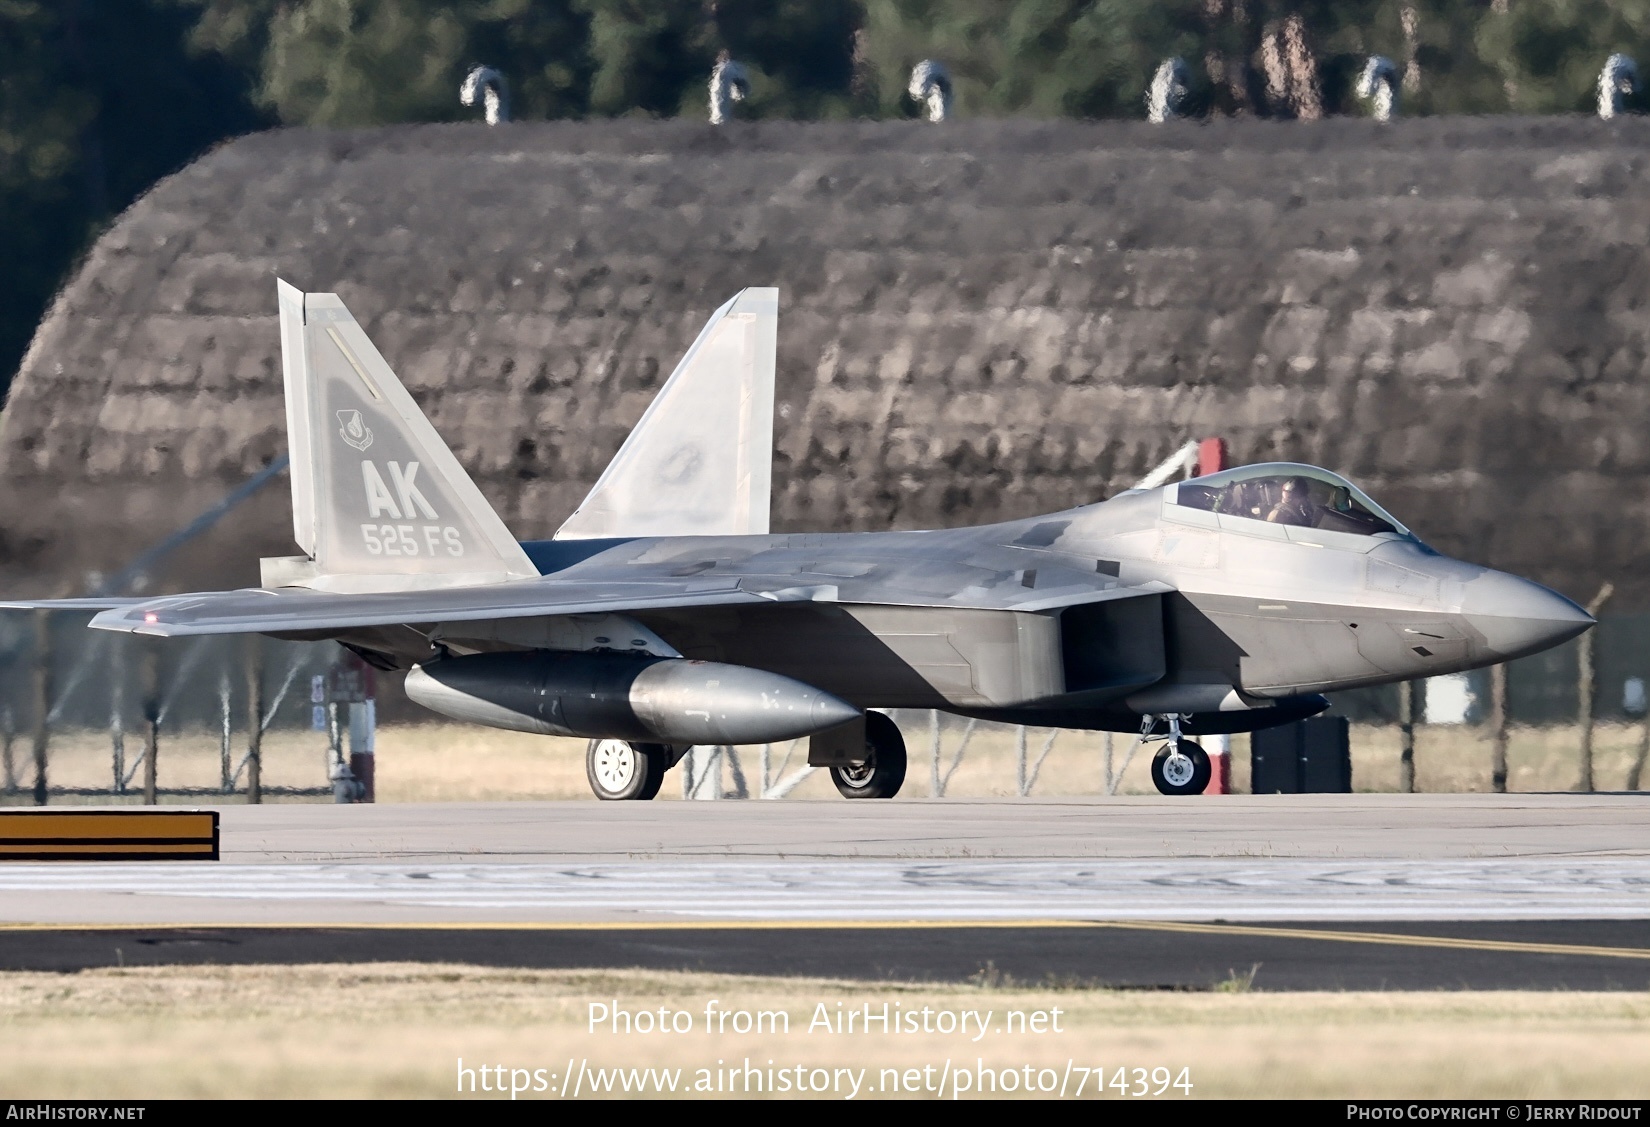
89	604
700	462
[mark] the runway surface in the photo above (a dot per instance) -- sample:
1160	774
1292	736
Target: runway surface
801	890
1036	888
1338	827
1344	857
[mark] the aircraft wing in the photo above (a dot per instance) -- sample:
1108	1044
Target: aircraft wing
258	611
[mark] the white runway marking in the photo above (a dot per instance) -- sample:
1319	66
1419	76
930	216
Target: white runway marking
886	890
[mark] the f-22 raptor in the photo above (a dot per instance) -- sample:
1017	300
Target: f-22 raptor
664	613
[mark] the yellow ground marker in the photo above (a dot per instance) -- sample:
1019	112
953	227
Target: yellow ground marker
108	835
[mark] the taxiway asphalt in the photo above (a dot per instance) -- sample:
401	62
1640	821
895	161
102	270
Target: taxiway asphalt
1138	955
1480	891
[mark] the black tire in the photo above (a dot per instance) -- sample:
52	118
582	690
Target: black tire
883	772
657	766
1179	776
620	771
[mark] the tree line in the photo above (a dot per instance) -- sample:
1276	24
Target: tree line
100	98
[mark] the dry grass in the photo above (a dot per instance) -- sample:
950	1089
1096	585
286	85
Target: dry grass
426	763
452	762
455	762
1456	758
398	1030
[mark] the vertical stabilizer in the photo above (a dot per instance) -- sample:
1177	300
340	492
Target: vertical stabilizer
378	501
295	378
700	462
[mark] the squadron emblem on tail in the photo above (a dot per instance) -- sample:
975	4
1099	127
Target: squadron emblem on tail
353	431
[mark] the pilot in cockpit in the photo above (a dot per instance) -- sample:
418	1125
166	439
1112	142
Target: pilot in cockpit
1298	499
1295	505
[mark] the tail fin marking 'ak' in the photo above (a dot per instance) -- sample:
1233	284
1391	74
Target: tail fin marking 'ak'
379	503
700	462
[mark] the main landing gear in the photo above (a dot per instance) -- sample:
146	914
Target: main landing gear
883	771
1180	766
620	769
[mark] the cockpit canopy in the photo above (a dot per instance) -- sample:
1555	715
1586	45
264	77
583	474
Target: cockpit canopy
1290	494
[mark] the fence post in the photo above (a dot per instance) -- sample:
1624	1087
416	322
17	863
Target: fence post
933	753
226	734
1020	760
1636	772
117	713
8	737
337	764
363	743
1406	737
1498	728
1587	688
254	720
42	685
151	721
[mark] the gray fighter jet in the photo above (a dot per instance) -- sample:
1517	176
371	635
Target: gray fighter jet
665	614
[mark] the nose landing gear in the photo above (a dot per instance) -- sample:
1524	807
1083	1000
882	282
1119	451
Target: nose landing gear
1180	766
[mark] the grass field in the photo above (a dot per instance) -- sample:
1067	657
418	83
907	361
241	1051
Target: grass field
399	1030
454	762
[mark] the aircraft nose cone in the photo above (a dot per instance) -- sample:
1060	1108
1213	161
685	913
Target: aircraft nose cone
1517	617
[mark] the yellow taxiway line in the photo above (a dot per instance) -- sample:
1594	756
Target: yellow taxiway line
1381	938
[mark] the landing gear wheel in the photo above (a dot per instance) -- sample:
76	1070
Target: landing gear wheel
619	770
883	772
1181	768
